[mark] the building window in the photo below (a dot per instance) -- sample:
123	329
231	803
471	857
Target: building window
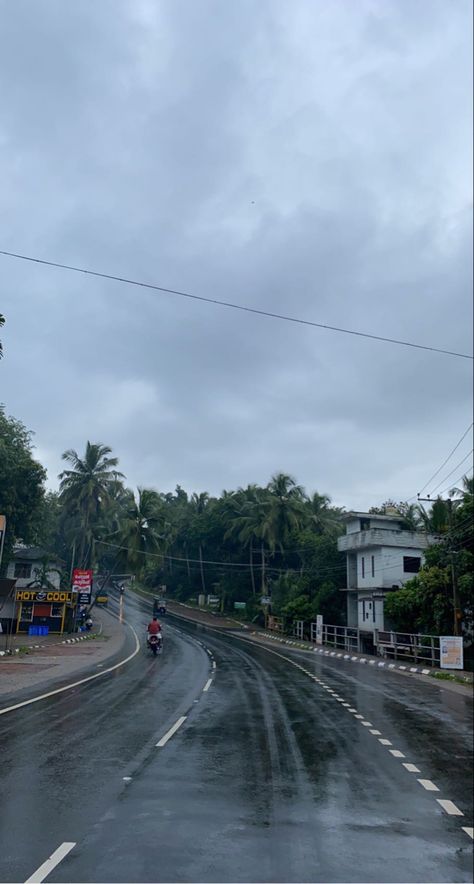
364	524
57	610
363	567
411	564
373	565
22	570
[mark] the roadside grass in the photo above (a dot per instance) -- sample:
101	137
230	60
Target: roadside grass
449	676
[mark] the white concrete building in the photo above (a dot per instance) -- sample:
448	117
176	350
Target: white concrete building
381	556
27	563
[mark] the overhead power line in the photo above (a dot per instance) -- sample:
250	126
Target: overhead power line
452	471
241	307
454	482
448	458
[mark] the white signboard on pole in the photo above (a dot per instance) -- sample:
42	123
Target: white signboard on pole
451	652
319	629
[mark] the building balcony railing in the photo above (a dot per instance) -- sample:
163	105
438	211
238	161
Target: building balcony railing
384	537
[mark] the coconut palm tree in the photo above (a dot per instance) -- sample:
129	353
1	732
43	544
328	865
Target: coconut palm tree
246	505
141	528
86	491
437	520
322	518
199	504
284	512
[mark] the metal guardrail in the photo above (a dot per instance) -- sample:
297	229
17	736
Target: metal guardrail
388	644
344	638
413	647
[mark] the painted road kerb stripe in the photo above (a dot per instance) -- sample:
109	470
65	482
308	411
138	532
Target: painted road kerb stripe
207	685
449	807
51	863
76	684
171	732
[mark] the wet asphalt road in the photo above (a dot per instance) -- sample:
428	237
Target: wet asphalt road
269	778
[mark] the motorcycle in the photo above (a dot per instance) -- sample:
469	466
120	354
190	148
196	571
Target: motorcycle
155	643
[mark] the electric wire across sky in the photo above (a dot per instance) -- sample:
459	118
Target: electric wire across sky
232	306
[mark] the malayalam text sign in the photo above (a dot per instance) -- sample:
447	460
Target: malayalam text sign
82	584
451	652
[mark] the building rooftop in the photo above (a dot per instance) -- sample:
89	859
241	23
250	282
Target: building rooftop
34	554
395	517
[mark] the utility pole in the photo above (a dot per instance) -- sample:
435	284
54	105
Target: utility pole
454	582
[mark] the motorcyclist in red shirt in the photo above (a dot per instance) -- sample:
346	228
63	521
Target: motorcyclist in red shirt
154	627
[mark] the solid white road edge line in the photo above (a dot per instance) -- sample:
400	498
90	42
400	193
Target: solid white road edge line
207	685
48	866
76	684
171	732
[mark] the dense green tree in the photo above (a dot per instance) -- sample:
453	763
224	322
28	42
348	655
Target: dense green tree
427	602
21	484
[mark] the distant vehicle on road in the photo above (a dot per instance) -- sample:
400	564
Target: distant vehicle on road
155	643
159	607
102	599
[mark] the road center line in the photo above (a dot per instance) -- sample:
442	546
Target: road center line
51	863
396	753
207	685
171	732
366	723
469	831
449	807
375	732
412	768
428	785
384	742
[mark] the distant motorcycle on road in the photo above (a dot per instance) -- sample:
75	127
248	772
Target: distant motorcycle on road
155	643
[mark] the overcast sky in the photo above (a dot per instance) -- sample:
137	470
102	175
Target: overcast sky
306	157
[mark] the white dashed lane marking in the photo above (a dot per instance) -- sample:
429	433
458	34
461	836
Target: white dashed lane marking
376	733
469	831
384	742
51	863
412	768
449	807
366	723
396	753
428	785
171	732
207	685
